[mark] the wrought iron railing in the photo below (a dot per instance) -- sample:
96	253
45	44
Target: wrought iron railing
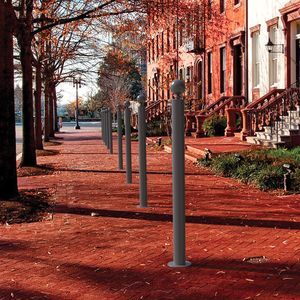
274	112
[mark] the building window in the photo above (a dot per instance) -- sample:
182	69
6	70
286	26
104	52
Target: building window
168	87
222	6
149	90
153	51
222	69
209	72
273	57
149	52
181	74
157	46
168	40
163	87
174	37
162	44
209	9
153	89
255	59
180	33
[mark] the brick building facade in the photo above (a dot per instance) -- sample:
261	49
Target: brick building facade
205	46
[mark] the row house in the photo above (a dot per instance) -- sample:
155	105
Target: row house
271	116
267	69
207	41
239	58
201	42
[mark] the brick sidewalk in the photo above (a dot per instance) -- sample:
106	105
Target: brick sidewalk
122	253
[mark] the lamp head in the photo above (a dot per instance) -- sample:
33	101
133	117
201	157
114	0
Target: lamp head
269	46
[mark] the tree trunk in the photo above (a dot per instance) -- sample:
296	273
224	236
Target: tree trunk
38	112
8	172
25	39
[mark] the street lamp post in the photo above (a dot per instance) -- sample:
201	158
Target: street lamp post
178	166
77	84
142	151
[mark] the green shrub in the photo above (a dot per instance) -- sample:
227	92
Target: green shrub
225	165
247	171
202	162
215	125
263	168
134	137
296	180
270	177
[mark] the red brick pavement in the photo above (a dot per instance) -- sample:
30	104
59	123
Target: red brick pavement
220	144
123	252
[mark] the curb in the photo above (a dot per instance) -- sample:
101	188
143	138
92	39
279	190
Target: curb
168	149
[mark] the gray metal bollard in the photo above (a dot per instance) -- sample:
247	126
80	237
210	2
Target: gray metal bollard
107	128
128	143
120	135
178	166
103	126
142	151
110	139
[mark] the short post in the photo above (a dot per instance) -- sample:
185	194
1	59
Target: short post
128	143
110	139
107	128
104	126
142	151
178	166
120	135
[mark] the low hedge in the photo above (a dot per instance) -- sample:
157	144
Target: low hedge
263	168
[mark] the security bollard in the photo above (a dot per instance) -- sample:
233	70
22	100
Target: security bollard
102	126
128	143
110	139
120	135
107	128
142	151
178	186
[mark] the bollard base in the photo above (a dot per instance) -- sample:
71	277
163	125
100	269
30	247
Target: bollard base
172	264
77	127
142	206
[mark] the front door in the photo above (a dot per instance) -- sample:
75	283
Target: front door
237	70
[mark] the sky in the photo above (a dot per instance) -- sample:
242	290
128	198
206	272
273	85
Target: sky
68	92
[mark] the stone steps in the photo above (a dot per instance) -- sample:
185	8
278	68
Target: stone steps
285	133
